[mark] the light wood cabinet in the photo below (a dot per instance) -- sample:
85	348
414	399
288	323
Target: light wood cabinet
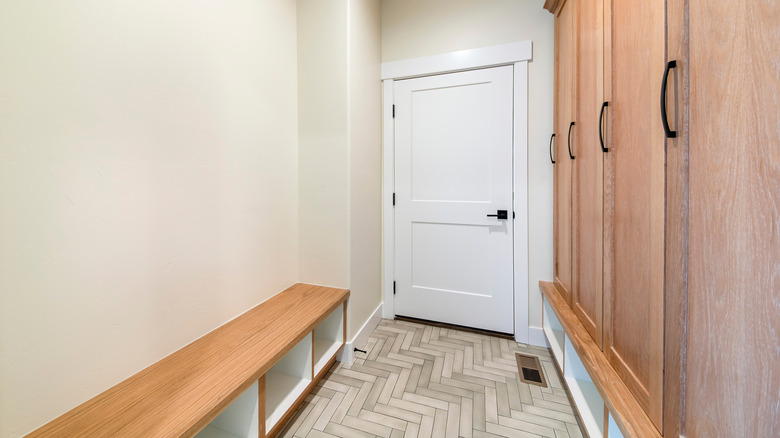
635	213
674	239
579	167
617	191
565	67
588	170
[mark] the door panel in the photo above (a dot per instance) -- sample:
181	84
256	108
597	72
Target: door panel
453	142
589	171
448	123
564	115
635	332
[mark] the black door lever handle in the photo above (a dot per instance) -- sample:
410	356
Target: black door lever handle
500	214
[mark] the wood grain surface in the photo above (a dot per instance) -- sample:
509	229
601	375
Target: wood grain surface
261	406
554	6
629	416
636	294
182	393
564	114
588	205
609	180
676	282
733	376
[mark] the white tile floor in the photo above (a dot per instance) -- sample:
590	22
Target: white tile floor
419	380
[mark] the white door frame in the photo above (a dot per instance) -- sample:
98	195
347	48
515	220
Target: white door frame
516	54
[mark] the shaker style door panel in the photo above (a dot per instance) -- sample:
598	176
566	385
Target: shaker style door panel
588	175
636	300
564	115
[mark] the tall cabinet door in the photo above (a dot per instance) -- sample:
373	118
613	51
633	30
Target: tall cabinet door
588	175
635	297
733	377
564	116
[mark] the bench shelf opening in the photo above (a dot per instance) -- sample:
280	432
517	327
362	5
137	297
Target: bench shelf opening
239	420
554	331
287	380
328	339
583	391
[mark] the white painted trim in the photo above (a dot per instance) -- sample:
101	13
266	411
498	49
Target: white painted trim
347	353
388	187
482	57
536	337
520	189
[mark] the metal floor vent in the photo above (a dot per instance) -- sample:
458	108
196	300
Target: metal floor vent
530	370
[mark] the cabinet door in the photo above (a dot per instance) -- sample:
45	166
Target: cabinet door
733	377
564	115
635	298
588	175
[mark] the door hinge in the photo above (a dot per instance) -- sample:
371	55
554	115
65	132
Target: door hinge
394	199
393	287
513	215
393	111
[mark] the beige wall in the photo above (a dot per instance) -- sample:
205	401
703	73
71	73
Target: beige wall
365	160
414	28
340	146
148	185
323	142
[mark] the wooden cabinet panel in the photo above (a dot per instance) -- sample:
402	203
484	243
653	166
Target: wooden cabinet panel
733	377
635	300
690	226
676	245
588	176
564	115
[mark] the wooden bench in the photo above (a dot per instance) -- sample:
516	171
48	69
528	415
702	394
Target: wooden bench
266	360
575	351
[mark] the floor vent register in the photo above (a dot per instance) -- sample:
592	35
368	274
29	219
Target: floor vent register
530	370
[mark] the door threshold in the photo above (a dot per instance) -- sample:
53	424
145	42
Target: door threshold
455	327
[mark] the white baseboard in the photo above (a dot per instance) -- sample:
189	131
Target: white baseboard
361	337
536	337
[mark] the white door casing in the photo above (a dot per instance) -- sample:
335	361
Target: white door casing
514	54
453	167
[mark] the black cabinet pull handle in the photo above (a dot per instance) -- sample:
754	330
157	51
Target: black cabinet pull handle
569	140
669	133
551	151
601	129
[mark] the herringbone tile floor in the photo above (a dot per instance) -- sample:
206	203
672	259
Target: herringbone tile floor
422	381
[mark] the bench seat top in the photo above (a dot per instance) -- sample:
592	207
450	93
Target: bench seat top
180	394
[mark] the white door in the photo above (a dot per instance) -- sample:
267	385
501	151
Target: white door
453	168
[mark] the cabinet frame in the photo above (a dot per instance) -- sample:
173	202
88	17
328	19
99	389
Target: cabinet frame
677	214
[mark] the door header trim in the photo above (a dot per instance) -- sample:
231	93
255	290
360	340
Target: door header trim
482	57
